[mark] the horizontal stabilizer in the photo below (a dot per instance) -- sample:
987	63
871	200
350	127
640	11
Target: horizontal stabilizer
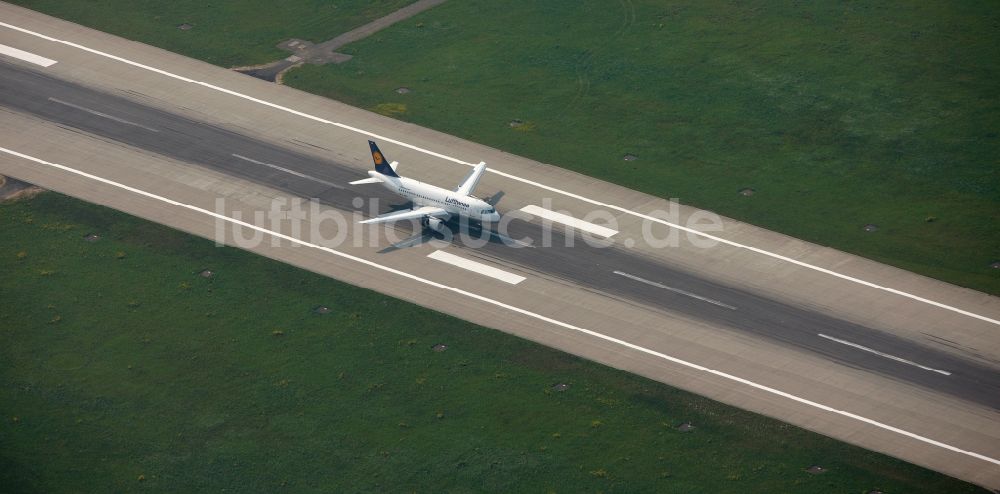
371	180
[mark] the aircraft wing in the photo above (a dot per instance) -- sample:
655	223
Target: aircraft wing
413	214
470	182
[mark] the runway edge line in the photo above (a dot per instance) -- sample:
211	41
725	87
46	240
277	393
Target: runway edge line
513	177
512	308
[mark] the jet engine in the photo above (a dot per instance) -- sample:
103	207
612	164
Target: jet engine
434	224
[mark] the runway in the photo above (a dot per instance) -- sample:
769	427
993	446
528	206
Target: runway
608	270
660	287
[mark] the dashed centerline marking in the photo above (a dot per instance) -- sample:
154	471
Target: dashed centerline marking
515	309
510	176
102	115
286	170
886	355
675	290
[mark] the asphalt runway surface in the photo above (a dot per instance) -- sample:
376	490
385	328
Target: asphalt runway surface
612	271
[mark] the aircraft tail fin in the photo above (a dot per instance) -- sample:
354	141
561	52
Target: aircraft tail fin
382	165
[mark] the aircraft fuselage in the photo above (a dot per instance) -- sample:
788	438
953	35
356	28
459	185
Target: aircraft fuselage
423	194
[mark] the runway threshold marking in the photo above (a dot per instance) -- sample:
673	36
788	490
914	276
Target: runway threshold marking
881	354
515	309
513	177
675	290
569	220
286	170
10	51
476	267
102	115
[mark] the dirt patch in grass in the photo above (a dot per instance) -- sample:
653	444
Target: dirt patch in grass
390	109
12	189
686	427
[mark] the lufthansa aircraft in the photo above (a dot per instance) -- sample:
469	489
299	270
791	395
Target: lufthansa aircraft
431	205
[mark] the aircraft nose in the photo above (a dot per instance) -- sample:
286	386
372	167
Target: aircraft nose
494	217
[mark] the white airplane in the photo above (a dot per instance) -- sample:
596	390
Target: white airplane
431	205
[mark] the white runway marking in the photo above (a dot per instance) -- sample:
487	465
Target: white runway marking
286	170
510	176
569	220
10	51
886	355
675	290
102	115
476	267
518	310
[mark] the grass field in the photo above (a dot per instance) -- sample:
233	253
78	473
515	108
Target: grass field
837	114
125	370
225	32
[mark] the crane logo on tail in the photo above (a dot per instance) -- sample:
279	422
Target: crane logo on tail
380	160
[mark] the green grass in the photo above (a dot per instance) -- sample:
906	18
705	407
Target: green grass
837	114
120	361
226	32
